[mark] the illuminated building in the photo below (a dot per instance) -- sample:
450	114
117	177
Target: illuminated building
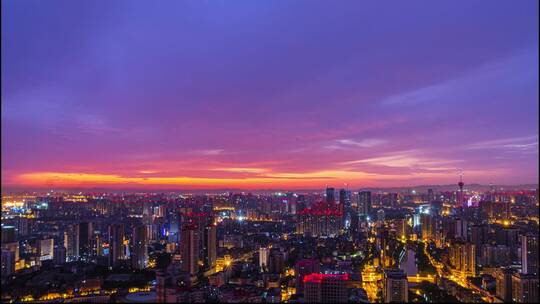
325	288
71	242
428	226
364	202
529	254
503	278
263	257
345	207
46	249
322	219
525	288
139	252
396	287
495	255
462	258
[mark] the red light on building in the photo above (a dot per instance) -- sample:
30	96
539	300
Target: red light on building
319	277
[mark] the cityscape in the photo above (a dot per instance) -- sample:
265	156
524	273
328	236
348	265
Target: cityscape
269	151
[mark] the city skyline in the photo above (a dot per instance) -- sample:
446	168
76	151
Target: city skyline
268	95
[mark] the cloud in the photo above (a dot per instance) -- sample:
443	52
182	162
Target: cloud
211	152
407	159
519	143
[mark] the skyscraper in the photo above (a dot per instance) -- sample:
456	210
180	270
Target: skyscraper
210	252
529	254
330	195
364	202
264	252
86	237
71	242
116	243
503	285
190	249
139	252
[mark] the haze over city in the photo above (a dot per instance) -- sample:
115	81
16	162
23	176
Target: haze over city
268	95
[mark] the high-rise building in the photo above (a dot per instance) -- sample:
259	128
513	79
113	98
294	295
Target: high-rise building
428	226
529	253
503	284
190	249
479	237
86	235
525	288
380	215
139	252
46	249
319	220
463	258
303	268
8	263
401	228
59	254
116	243
276	261
431	196
325	288
71	242
330	195
364	202
396	287
264	253
345	207
462	229
8	234
210	252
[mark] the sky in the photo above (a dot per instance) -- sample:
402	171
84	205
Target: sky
268	94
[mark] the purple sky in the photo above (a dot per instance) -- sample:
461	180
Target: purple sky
262	94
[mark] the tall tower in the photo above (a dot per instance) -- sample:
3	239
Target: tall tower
460	193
